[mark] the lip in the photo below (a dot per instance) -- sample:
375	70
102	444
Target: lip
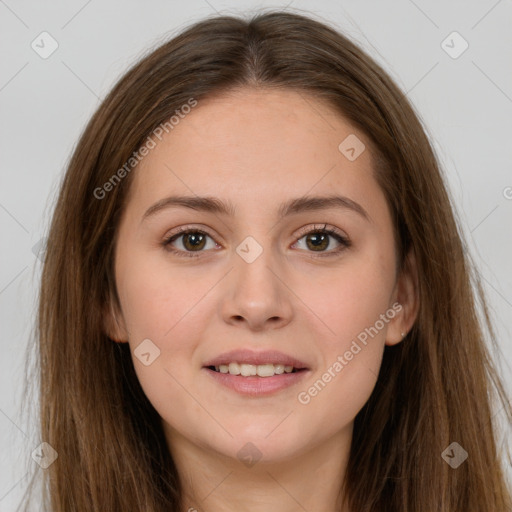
257	358
257	386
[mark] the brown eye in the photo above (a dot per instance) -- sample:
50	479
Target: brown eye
194	241
319	241
188	241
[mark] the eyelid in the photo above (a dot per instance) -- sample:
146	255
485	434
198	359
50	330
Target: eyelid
300	233
184	229
319	228
190	228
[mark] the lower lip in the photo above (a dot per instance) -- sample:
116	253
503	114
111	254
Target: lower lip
257	386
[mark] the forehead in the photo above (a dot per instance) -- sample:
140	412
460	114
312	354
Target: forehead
254	146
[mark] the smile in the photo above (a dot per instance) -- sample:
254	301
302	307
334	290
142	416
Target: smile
250	370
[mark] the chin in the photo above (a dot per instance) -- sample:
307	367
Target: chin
261	442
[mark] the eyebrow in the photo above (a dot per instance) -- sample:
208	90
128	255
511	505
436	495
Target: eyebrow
291	207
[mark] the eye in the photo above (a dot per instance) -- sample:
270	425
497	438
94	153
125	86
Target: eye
192	240
318	240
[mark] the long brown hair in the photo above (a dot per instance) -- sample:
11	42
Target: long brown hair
435	387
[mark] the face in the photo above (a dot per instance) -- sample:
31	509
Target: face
282	280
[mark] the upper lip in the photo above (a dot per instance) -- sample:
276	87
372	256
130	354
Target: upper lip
256	358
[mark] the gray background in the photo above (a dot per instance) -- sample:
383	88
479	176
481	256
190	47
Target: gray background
464	102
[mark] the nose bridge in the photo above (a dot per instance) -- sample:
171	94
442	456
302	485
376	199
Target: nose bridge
257	294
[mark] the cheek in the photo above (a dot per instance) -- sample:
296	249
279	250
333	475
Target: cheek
353	297
354	308
156	296
165	305
159	307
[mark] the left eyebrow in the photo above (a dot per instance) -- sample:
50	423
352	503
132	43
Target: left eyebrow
291	207
317	203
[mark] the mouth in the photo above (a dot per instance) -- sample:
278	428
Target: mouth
256	373
252	370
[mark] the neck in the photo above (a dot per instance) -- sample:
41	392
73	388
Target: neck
310	480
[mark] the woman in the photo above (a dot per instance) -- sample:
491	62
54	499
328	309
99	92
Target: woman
255	296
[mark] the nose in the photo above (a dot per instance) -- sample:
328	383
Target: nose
257	294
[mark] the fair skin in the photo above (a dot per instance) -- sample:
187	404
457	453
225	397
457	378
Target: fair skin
257	149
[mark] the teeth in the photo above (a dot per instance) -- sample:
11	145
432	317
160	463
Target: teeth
248	370
279	369
265	370
234	369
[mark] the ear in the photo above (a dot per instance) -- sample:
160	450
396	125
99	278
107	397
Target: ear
114	324
406	294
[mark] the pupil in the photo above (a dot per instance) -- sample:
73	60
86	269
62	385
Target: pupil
317	239
197	240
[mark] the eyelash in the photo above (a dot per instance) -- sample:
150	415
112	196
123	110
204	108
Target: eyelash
343	240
